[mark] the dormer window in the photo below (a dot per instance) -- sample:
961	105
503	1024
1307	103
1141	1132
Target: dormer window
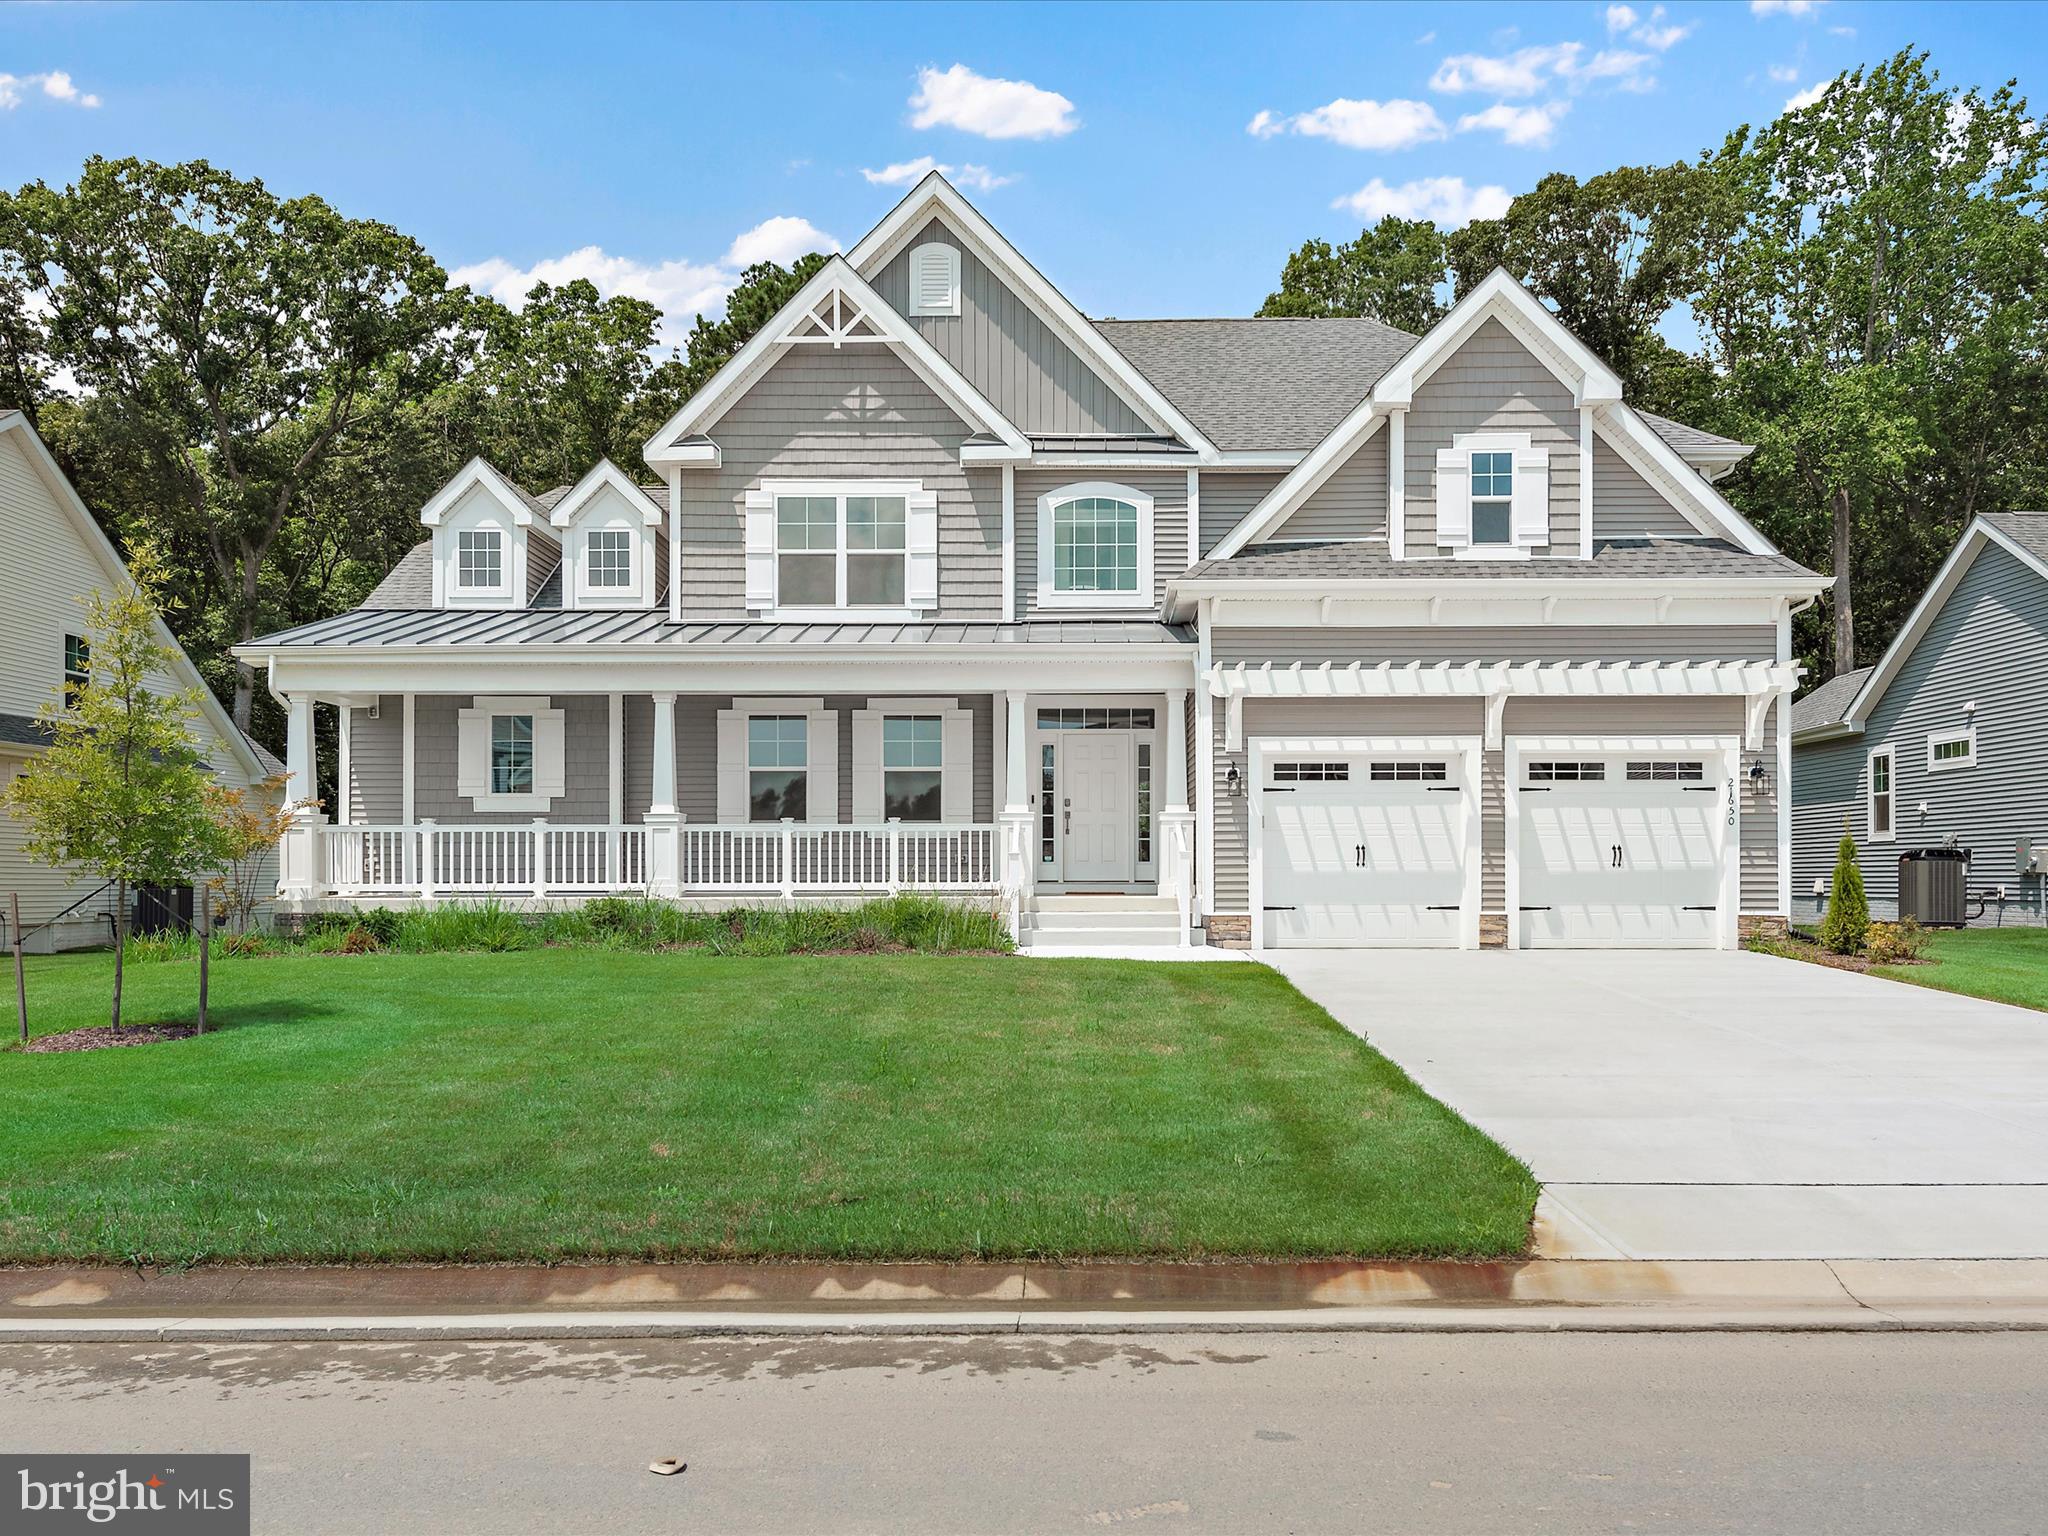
1493	498
935	280
480	560
608	558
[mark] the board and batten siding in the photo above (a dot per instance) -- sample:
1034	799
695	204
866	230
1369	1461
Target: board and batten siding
999	343
1987	646
847	413
1395	717
1228	498
1625	505
1492	383
1351	504
1168	489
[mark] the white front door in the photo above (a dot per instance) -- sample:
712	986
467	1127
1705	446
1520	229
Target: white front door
1362	851
1097	819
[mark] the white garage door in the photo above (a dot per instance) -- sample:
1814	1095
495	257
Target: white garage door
1363	850
1621	850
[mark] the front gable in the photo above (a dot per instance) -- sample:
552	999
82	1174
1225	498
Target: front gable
1004	346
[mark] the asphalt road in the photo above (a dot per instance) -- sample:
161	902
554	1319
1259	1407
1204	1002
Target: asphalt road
1398	1433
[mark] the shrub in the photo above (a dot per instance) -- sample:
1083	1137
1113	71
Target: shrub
1847	919
359	941
1897	943
382	924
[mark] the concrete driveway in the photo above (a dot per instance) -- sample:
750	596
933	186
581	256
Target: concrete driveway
1720	1106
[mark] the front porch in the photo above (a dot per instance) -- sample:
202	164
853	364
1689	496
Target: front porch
998	798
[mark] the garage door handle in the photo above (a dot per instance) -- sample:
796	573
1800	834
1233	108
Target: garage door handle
1279	909
1536	789
1713	907
1535	909
1453	907
1447	789
1702	789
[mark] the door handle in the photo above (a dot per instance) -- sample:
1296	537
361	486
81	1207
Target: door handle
1067	820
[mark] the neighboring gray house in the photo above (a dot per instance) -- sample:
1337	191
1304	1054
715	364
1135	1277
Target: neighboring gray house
1944	739
1265	631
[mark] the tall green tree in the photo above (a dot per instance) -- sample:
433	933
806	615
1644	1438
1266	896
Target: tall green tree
1393	272
232	341
121	791
1870	278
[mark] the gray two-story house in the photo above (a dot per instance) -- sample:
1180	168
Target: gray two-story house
1278	632
1943	742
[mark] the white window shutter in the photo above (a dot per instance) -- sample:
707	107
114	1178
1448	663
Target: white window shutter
760	529
1453	497
821	802
550	748
1530	517
956	777
921	539
732	766
472	753
867	765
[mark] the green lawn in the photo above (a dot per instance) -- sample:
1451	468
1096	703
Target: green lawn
2007	965
569	1103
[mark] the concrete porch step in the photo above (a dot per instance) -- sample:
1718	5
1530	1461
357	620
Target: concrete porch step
1109	901
1096	922
1042	942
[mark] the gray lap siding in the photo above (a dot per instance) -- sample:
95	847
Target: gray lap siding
1988	647
852	413
1465	717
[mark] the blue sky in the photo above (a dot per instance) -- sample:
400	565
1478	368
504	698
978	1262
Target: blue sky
1152	160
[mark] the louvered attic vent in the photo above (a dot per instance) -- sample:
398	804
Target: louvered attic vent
935	280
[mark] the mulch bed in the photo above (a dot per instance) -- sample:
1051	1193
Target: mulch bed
100	1037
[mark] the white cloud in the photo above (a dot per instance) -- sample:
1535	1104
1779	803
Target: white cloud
1357	124
1784	74
1526	126
995	109
1444	199
1426	39
682	290
1529	70
1807	97
1783	7
1620	18
1654	31
908	173
55	84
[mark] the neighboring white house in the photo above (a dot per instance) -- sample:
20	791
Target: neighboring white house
1266	631
52	556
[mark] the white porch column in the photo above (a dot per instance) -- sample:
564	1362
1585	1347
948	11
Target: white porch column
408	805
1014	831
344	807
298	873
664	825
999	752
1176	821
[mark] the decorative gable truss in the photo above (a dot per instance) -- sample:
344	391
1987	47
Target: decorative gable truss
836	308
1596	391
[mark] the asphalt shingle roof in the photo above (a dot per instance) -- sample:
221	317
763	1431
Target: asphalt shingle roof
408	584
1827	704
1645	557
22	731
2029	530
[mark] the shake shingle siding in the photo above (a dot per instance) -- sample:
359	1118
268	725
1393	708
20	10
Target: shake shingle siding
1168	490
1227	499
856	412
1987	646
1625	505
1351	504
1395	717
1493	383
1002	347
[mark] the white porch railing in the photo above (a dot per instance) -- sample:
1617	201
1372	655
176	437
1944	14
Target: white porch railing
540	859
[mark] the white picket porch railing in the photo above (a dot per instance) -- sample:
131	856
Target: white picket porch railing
540	859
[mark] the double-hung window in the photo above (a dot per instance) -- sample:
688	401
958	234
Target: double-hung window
778	763
608	558
77	666
913	762
1881	795
840	551
1493	497
480	559
511	754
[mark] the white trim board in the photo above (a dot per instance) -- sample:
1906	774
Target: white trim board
835	278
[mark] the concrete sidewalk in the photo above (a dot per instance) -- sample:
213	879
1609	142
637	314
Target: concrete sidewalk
520	1302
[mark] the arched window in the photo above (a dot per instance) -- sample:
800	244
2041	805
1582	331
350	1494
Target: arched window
1095	547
